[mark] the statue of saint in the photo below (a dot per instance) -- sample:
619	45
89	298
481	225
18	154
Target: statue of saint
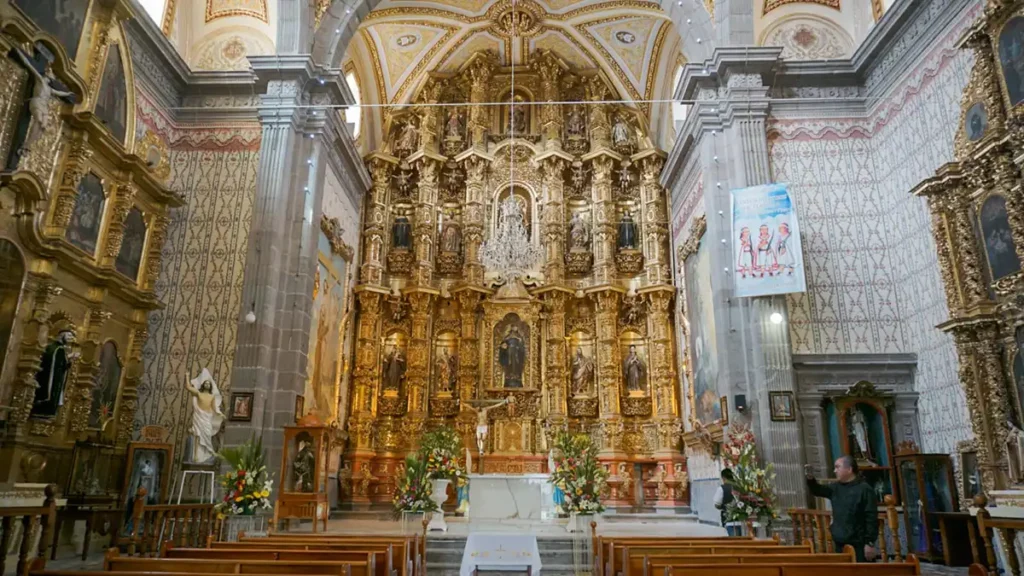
512	358
303	466
394	370
860	435
454	125
444	372
407	137
43	91
401	233
582	373
621	132
634	368
451	238
578	179
576	126
624	179
627	232
517	118
53	375
207	416
579	233
403	181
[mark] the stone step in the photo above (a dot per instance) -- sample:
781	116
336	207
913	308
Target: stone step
444	556
452	569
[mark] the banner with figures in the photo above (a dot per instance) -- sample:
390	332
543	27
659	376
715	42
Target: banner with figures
767	257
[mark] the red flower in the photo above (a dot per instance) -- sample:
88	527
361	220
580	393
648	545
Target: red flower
241	473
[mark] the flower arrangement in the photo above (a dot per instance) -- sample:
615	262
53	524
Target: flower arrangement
413	491
441	449
247	488
753	487
578	473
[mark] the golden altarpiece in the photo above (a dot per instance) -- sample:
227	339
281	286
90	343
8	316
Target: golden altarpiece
582	340
977	207
85	218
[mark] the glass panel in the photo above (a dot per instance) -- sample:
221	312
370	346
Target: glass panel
303	464
939	496
912	503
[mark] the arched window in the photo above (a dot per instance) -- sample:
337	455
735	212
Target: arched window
354	114
679	110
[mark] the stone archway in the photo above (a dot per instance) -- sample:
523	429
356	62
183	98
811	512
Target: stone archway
342	19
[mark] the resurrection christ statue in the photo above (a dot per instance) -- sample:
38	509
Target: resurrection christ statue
207	416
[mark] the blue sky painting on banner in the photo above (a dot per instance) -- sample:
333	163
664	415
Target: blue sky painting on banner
767	258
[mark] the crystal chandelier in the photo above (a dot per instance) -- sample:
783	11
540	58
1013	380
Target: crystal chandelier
509	251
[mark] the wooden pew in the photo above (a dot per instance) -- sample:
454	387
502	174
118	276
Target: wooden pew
405	555
909	568
618	553
381	556
603	545
114	562
655	564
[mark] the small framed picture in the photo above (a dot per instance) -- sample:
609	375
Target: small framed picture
241	406
723	403
300	407
783	406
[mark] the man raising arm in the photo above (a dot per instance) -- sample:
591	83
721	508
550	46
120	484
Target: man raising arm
854	508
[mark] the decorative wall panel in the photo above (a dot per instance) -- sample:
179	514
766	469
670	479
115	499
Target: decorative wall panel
224	8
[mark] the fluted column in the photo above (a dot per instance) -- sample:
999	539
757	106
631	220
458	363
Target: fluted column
556	375
606	220
655	222
659	350
367	354
425	226
473	221
375	225
609	369
552	168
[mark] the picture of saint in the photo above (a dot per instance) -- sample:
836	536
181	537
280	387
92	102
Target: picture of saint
104	393
241	406
707	408
401	233
112	102
129	258
975	121
451	239
63	19
87	215
1011	58
512	357
147	470
995	229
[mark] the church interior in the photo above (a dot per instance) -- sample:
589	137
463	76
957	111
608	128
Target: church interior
446	279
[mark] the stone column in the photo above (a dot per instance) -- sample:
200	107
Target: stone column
473	221
270	358
606	219
425	224
657	267
734	22
553	218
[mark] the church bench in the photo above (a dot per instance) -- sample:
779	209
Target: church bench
603	545
406	553
653	564
381	555
618	552
909	568
127	573
114	562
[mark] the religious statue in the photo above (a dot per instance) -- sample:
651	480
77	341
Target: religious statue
627	232
58	356
1015	453
578	179
207	416
621	137
625	179
862	450
576	126
579	233
517	117
481	421
512	357
447	367
582	373
43	90
559	495
634	368
403	182
451	238
394	370
627	480
454	125
407	137
303	467
401	233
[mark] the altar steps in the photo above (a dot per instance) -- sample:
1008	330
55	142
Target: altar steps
444	556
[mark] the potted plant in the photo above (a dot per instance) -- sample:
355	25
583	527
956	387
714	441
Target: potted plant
753	486
413	493
247	486
440	449
580	476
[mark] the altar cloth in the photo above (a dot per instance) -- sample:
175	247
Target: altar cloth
500	551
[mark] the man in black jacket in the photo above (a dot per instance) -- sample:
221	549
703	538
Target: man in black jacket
854	508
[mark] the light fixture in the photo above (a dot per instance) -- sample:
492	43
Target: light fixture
250	317
775	318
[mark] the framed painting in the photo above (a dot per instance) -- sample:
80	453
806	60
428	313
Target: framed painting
87	215
104	392
112	100
129	258
62	19
148	466
1011	58
997	237
703	338
783	406
300	406
241	406
723	404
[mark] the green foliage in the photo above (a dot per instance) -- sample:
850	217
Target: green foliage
578	473
413	491
753	486
247	487
442	449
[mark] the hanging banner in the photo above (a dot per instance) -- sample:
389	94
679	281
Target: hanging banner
767	257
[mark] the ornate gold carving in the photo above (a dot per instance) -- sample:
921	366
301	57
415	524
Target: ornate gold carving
155	154
443	407
331	227
629	262
636	406
12	85
400	261
578	263
449	263
580	407
124	200
392	405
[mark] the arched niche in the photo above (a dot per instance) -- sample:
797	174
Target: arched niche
635	364
527	199
444	367
582	363
12	277
997	237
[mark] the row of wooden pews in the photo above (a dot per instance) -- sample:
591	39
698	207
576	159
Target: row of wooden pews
275	555
723	556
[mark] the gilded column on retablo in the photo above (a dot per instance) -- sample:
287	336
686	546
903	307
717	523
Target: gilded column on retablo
130	389
63	204
556	377
609	366
124	199
941	232
375	226
79	393
479	73
425	225
605	221
33	341
655	222
419	355
599	125
550	72
662	371
473	221
968	259
554	219
154	250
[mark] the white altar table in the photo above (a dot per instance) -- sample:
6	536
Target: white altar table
500	551
511	496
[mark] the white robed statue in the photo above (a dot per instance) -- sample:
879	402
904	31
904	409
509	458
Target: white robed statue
207	416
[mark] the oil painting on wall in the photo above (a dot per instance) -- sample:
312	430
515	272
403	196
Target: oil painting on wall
995	227
84	228
104	393
1011	58
63	19
325	360
702	336
130	256
112	102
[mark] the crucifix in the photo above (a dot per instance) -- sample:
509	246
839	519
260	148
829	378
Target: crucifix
481	422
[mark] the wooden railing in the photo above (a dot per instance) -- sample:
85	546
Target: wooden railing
44	516
813	526
183	525
1007	529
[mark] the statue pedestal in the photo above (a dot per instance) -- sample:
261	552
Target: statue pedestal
511	496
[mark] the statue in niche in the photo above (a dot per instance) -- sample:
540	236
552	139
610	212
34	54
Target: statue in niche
859	431
453	128
447	368
582	373
394	370
621	137
625	179
579	233
578	178
303	467
407	139
634	308
207	416
53	375
451	238
517	117
512	357
401	233
403	181
627	232
634	368
576	126
45	87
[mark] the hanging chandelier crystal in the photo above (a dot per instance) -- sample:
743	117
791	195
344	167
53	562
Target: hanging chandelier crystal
509	251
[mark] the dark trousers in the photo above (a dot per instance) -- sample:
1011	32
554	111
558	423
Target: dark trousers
858	549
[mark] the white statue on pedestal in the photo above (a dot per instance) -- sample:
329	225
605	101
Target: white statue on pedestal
207	416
